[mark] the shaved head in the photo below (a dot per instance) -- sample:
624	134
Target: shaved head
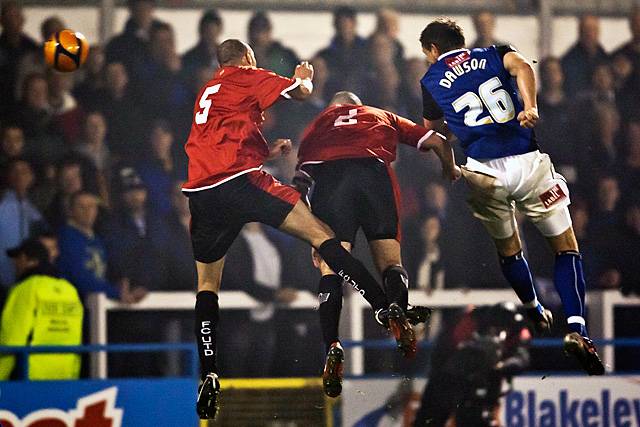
231	52
345	97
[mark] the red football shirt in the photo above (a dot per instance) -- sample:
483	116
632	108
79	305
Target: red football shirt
351	131
225	139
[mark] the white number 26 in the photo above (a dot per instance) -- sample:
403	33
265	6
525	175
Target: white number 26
493	97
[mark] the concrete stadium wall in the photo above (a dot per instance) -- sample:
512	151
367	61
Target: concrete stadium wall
307	32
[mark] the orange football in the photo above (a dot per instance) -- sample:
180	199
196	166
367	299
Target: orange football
66	50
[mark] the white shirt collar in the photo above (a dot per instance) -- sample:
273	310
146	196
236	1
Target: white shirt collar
452	51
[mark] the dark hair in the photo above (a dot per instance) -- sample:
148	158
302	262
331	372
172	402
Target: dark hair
344	12
444	33
157	27
211	16
231	50
259	22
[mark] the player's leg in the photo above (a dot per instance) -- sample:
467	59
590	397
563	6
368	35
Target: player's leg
301	223
570	285
279	205
548	210
210	241
490	203
330	306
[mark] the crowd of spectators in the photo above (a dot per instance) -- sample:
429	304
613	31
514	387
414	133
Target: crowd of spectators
93	160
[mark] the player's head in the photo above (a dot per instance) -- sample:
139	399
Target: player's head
345	98
441	36
235	52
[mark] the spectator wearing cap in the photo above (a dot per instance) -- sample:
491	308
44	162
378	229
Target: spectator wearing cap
160	168
83	257
346	55
136	238
42	309
17	214
204	53
270	53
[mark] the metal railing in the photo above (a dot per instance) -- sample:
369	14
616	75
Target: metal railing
601	314
23	352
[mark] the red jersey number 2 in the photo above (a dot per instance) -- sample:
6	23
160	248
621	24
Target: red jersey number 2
347	119
205	103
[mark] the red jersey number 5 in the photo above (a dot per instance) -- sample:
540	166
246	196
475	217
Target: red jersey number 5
205	104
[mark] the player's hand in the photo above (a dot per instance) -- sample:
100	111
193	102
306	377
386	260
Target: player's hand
304	71
281	147
529	117
286	295
452	173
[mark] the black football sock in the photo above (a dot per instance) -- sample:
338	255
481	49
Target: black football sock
330	300
396	285
353	272
207	315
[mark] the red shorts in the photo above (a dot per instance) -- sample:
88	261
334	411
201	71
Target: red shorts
218	213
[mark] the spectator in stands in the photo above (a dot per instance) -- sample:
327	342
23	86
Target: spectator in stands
555	132
94	149
69	182
629	169
123	112
581	60
262	279
42	309
270	54
51	25
162	69
178	256
132	43
67	115
383	79
93	145
204	54
33	113
412	93
93	82
14	44
596	125
604	210
627	66
388	24
623	253
136	237
161	168
12	146
346	56
429	272
18	216
484	23
83	259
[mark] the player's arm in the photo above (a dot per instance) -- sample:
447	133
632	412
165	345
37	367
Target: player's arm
521	69
428	139
304	75
433	117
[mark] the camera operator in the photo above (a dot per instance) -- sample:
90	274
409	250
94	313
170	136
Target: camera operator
471	363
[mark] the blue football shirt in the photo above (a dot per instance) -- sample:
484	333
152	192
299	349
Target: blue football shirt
474	93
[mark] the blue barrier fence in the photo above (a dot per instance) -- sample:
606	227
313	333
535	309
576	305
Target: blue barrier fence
192	361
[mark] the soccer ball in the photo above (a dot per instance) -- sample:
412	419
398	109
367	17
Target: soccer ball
66	50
